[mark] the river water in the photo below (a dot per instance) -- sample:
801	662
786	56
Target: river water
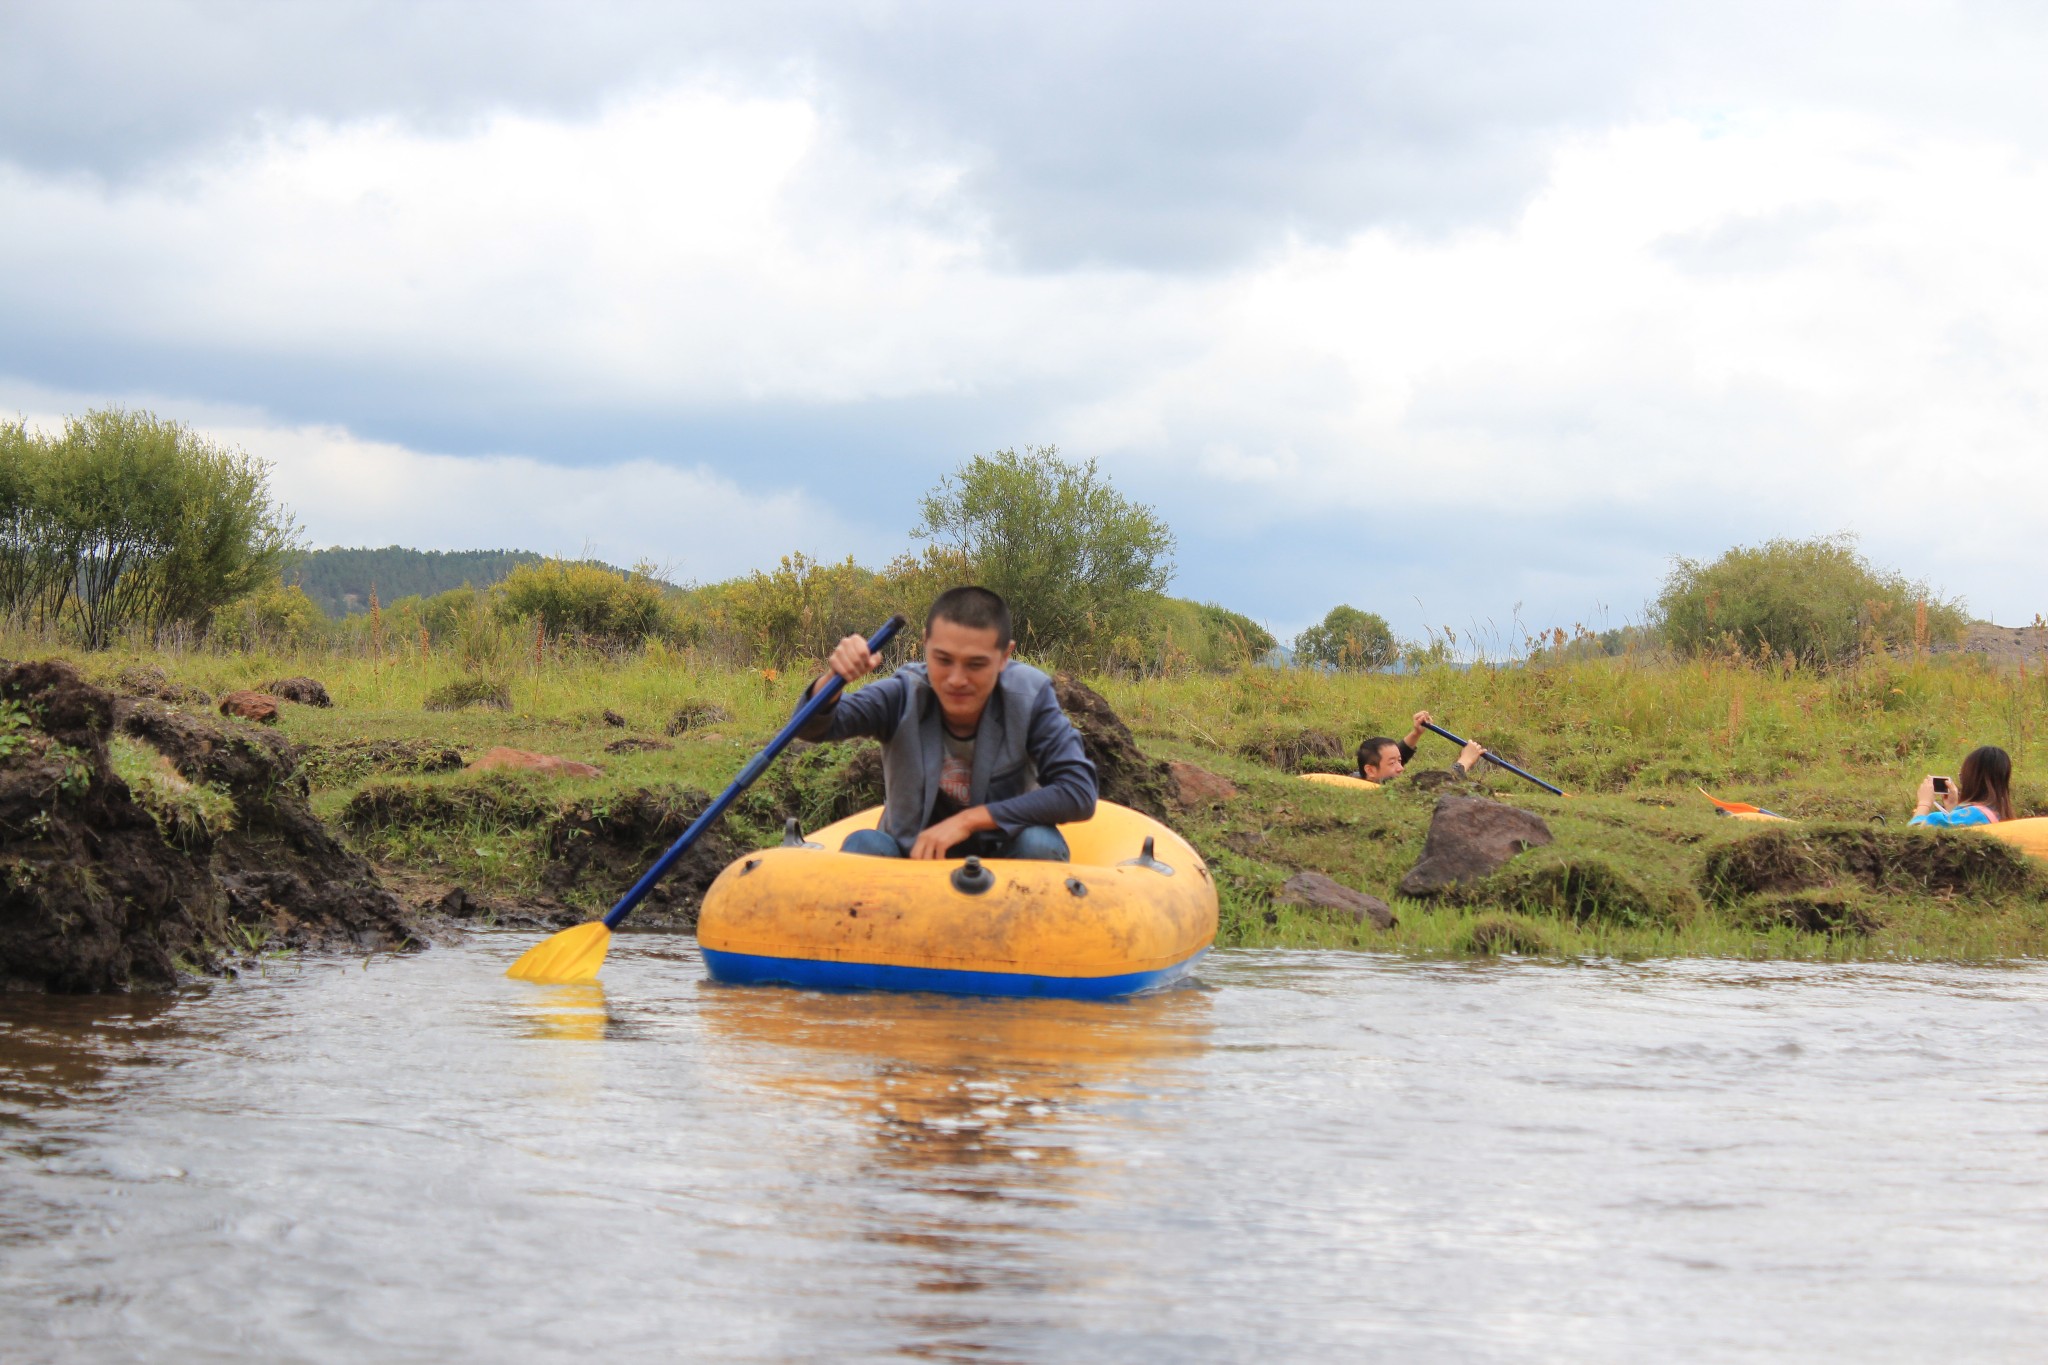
1310	1156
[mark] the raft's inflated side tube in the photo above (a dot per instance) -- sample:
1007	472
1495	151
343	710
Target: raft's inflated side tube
2029	836
1341	780
1107	923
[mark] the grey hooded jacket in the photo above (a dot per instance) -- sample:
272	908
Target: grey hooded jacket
1029	766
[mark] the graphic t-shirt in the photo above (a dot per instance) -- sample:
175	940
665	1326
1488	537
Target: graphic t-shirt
956	777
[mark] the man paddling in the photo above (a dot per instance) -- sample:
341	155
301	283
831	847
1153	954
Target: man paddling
1382	760
977	756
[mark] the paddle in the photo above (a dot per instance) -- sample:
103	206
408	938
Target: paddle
1497	761
577	954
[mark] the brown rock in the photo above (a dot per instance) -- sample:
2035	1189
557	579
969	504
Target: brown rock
1123	773
1314	891
1470	838
257	706
521	760
304	691
1198	786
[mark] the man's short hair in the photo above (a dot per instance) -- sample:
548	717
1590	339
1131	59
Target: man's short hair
973	607
1370	751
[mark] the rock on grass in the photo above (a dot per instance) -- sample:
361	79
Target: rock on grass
1471	838
1319	893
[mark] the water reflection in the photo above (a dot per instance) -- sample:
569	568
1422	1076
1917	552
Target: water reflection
577	1013
995	1116
57	1049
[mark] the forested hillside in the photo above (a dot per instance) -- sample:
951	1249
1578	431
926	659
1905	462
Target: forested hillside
340	579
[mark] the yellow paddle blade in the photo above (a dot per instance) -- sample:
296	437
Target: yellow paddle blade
562	959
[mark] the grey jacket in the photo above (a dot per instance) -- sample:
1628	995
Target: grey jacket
1029	766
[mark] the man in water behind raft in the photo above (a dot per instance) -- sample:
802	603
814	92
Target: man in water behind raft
977	756
1381	759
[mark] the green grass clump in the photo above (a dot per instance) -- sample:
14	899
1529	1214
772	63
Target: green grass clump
1581	888
469	690
186	813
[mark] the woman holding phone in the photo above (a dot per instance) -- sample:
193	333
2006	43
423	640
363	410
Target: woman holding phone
1981	793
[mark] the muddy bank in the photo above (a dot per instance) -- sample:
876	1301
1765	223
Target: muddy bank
138	840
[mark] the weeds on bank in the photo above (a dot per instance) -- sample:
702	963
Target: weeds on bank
1633	739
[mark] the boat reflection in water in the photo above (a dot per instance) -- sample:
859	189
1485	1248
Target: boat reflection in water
990	1127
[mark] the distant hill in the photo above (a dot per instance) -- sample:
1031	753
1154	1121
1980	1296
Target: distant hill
340	580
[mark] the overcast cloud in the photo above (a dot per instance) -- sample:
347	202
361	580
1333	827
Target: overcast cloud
1435	310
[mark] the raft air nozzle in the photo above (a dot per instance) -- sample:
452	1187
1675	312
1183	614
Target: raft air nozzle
971	878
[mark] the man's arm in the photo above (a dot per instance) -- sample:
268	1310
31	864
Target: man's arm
1067	790
871	712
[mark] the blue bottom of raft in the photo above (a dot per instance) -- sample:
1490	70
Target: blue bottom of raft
746	969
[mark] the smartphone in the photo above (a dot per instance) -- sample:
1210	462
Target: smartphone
1941	786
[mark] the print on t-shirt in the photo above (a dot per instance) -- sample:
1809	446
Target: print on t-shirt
956	773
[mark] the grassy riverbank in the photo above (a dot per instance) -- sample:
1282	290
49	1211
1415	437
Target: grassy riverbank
1629	873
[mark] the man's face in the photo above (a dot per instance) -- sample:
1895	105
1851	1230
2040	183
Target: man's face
963	664
1388	765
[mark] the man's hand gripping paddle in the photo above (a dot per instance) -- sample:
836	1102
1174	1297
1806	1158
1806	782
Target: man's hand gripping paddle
576	954
1497	762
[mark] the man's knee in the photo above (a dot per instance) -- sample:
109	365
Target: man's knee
1040	843
871	842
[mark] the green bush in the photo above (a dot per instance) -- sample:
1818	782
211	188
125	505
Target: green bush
130	521
1348	638
273	615
1817	601
588	601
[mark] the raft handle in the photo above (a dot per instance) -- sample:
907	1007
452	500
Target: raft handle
1077	886
1145	859
971	878
793	835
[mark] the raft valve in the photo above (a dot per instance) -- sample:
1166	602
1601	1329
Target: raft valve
971	878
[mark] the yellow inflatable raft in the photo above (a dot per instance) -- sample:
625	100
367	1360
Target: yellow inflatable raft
1341	780
1134	911
2029	836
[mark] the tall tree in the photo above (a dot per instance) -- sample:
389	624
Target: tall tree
1075	559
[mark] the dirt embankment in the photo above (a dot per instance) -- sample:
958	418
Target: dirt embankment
212	849
2005	646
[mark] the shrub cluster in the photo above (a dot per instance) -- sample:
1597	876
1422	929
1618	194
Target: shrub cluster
125	521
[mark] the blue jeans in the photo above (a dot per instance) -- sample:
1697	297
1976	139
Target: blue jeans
1037	843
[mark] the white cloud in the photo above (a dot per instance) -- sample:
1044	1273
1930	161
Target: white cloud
693	522
1701	329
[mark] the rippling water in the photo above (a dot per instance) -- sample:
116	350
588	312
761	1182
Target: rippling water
1312	1156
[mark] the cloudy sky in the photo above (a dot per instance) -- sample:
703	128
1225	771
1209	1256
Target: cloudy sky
1437	309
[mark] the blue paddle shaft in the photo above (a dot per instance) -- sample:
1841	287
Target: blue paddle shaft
1499	762
755	767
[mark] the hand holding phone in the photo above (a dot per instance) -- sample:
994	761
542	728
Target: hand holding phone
1940	786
